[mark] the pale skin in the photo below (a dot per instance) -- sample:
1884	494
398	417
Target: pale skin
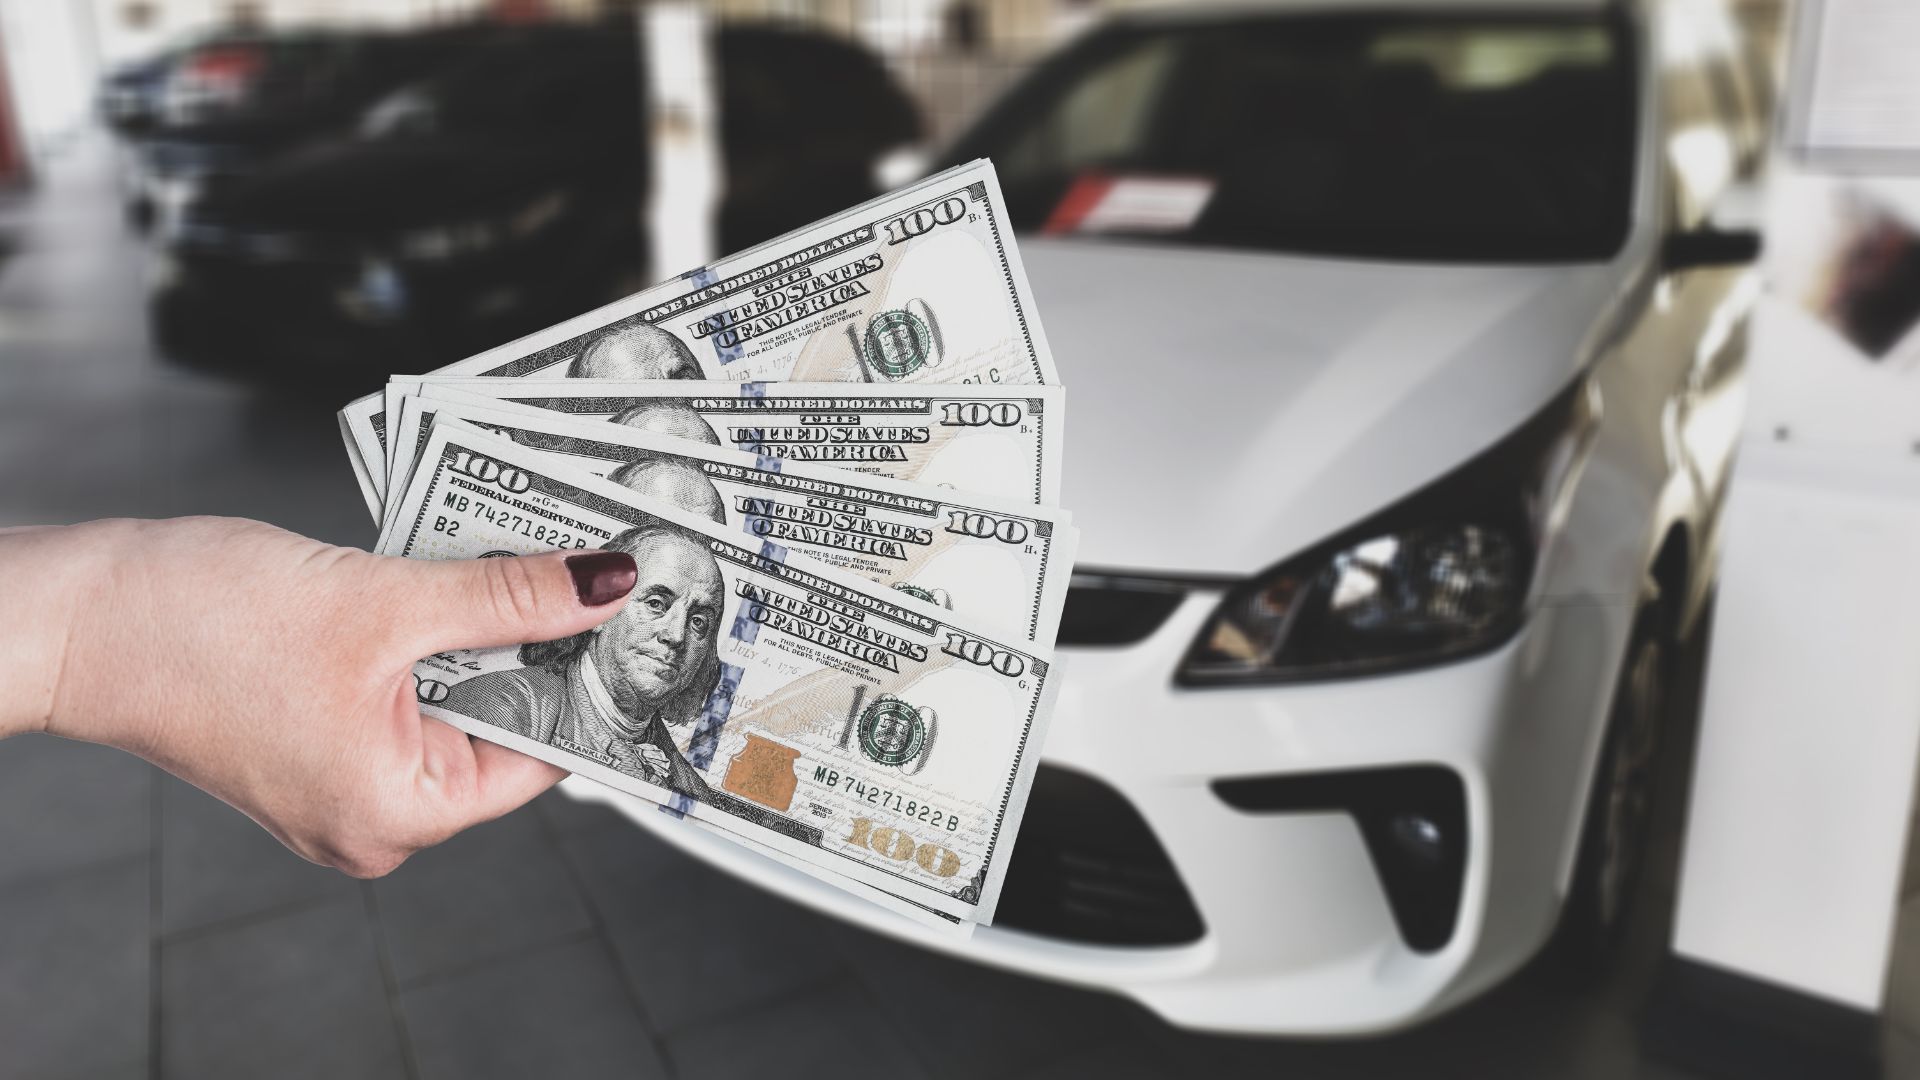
274	671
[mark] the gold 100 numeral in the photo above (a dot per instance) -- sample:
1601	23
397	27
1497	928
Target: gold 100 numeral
898	846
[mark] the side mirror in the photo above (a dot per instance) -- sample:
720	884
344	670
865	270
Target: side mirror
1708	247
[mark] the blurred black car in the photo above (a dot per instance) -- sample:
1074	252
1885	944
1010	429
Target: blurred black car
503	196
224	106
129	96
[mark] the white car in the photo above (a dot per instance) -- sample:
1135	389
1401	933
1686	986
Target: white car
1404	362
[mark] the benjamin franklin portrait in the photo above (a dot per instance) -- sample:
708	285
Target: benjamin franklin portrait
640	351
671	417
614	693
673	481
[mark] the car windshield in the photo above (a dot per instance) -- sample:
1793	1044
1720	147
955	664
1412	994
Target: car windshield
1401	137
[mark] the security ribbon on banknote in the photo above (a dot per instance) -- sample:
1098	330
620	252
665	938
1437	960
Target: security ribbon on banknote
923	285
1002	563
834	721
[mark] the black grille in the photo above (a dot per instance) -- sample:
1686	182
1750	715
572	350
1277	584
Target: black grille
1115	609
1087	868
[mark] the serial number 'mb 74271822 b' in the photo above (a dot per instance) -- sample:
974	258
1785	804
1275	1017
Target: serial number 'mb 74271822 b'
876	795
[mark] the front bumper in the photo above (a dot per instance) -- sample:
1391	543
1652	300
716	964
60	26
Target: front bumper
281	324
1298	933
351	317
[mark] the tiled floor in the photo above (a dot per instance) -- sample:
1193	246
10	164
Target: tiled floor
148	930
147	925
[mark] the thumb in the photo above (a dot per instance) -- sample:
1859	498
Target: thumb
476	603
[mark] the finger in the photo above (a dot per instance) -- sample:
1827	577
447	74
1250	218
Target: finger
506	779
468	780
476	603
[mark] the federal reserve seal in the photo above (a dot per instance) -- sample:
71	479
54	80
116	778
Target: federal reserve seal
898	343
893	732
936	597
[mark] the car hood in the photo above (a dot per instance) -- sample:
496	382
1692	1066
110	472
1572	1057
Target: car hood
1225	409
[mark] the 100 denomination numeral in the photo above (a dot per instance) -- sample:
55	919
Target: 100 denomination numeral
985	653
925	220
987	527
898	846
979	413
488	471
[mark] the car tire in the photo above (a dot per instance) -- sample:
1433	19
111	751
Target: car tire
1615	838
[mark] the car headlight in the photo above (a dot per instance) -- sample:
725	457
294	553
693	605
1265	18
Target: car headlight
1443	574
455	241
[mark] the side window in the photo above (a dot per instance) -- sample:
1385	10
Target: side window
593	94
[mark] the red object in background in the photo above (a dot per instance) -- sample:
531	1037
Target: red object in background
1874	298
1079	201
225	63
520	11
225	70
13	149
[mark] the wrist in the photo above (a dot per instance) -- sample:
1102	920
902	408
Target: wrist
59	574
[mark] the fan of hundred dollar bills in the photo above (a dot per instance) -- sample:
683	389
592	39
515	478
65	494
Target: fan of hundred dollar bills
834	458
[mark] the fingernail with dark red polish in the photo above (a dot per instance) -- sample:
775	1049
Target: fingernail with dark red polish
601	577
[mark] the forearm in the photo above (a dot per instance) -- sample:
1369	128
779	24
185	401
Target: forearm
276	671
48	576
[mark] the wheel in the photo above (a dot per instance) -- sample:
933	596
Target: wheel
1614	840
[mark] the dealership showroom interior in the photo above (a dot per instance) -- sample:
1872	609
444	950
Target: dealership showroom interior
1322	539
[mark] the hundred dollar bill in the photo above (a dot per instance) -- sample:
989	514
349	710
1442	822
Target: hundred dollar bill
371	482
949	926
830	719
1003	563
923	285
760	863
999	441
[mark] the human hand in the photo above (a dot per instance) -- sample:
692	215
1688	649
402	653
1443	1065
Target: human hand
275	671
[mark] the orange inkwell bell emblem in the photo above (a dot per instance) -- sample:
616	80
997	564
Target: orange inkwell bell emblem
763	772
